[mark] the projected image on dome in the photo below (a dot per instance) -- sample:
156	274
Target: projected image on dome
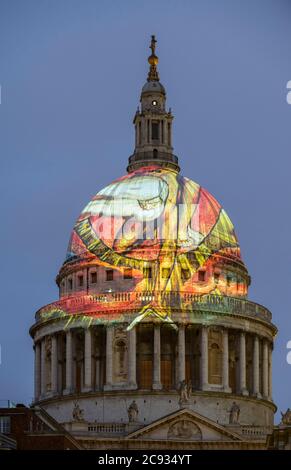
162	241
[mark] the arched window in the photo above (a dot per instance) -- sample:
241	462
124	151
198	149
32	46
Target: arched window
120	361
155	153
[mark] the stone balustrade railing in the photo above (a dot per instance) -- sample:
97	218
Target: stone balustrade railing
107	428
132	300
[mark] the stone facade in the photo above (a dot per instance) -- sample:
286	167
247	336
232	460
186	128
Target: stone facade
202	381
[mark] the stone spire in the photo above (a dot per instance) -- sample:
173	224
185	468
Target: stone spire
153	123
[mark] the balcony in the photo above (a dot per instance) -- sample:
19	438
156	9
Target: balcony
104	303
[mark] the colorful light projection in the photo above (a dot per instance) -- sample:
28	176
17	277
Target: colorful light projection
165	228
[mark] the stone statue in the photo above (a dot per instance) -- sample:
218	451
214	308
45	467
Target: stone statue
189	389
286	417
185	391
153	45
132	412
234	414
77	412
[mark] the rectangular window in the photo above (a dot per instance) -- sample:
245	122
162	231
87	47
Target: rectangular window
93	278
201	276
147	273
228	280
155	131
109	275
127	273
185	274
70	280
80	281
166	273
5	424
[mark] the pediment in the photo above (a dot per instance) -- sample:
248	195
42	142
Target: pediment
184	425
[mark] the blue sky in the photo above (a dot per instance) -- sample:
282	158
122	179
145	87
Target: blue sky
71	74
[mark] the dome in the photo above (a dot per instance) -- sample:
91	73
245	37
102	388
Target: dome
153	86
162	226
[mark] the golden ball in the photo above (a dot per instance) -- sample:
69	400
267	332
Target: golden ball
153	60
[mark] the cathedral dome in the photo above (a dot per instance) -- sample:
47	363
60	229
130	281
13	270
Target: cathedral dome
168	230
153	315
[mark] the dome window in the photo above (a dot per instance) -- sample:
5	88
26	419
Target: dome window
109	275
147	273
127	274
201	276
81	280
93	278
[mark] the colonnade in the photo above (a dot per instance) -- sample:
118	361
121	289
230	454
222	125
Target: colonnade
49	381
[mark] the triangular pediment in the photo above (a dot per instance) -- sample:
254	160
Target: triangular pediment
184	425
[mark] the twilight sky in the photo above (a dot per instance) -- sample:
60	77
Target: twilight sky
71	74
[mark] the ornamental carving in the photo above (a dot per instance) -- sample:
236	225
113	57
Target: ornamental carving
184	429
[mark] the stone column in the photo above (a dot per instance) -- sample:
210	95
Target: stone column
157	358
181	354
242	364
225	362
54	365
88	360
109	357
265	370
270	373
132	359
69	362
37	369
256	367
43	369
204	359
